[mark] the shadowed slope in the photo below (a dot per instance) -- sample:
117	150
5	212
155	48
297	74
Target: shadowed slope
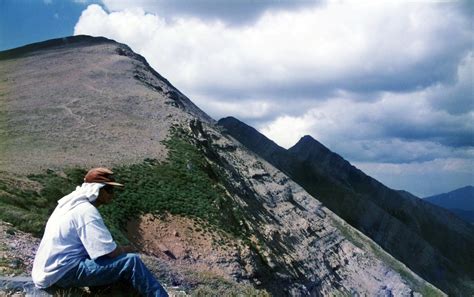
428	239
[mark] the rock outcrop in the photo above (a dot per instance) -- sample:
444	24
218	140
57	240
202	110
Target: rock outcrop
428	239
305	248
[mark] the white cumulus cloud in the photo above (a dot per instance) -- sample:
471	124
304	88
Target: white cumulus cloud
380	82
369	46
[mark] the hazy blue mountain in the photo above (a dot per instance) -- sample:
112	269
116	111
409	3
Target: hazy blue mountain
459	201
462	199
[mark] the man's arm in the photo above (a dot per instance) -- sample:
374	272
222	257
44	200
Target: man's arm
119	250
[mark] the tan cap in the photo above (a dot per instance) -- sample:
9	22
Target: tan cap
101	175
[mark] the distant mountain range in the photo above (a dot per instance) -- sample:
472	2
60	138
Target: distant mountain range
428	239
459	201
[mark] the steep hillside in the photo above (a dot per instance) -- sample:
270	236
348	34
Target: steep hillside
428	239
219	216
84	101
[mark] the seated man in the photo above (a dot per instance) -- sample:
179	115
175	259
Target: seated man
77	249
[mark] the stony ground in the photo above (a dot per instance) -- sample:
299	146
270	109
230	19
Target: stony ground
17	250
183	271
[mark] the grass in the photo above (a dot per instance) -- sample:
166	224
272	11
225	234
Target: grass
184	184
206	284
28	209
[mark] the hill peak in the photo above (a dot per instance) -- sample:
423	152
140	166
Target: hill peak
78	40
308	144
76	88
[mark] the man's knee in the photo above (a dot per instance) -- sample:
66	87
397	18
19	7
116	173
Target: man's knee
132	260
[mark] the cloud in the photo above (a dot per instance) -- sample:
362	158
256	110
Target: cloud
249	109
423	178
458	97
287	130
233	12
314	52
396	128
379	82
383	63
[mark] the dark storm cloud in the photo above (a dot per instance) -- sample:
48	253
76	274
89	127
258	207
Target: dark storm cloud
232	12
458	97
432	70
457	134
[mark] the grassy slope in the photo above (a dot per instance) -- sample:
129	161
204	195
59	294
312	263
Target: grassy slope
185	184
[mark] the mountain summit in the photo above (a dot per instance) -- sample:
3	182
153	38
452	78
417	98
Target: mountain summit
203	207
83	100
309	142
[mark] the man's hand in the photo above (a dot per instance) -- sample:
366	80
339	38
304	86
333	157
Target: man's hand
129	249
119	250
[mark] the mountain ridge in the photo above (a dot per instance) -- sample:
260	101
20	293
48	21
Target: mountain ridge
395	219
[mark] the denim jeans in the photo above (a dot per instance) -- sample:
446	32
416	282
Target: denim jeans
105	271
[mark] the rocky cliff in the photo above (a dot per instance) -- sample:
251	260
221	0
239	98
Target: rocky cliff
428	239
195	198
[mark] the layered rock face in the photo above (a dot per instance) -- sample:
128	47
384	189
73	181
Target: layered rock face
305	248
428	239
84	101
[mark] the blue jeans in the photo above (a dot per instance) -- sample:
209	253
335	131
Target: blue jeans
104	271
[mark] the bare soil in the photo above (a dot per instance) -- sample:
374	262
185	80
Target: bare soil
189	243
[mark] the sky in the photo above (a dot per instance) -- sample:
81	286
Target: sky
387	84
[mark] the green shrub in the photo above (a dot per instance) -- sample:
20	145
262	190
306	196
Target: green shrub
184	184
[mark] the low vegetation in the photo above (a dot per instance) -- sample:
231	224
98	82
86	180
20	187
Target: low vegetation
185	184
27	208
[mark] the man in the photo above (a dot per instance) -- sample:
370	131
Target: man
77	249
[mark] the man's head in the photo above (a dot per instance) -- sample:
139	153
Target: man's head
103	176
